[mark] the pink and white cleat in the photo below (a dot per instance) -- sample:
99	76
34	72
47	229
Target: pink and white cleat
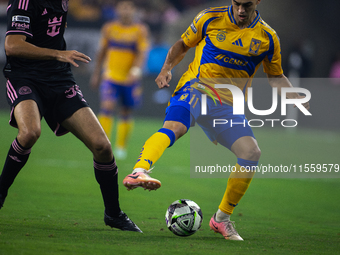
141	179
225	228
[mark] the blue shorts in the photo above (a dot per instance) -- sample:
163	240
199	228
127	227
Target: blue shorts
219	124
127	95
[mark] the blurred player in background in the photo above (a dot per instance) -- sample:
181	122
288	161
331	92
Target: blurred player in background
231	43
123	50
40	84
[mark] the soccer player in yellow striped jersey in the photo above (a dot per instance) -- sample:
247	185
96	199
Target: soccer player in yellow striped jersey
231	43
228	51
123	48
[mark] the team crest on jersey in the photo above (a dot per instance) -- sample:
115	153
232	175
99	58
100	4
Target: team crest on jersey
221	36
25	90
254	46
54	26
64	4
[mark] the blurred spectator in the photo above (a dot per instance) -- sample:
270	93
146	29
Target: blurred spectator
84	10
3	8
157	13
182	5
153	12
335	69
300	59
108	11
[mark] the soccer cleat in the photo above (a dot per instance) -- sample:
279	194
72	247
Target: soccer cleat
121	222
2	200
225	228
141	179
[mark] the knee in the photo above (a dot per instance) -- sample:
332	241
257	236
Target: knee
180	131
28	137
253	153
102	150
178	128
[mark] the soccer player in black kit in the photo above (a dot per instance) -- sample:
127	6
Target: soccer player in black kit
40	84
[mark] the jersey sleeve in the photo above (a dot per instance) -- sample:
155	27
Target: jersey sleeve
272	62
20	15
195	32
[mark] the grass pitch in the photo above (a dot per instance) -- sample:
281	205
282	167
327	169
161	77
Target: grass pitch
55	205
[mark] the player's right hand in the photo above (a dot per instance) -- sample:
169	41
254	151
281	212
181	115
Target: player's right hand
70	56
163	79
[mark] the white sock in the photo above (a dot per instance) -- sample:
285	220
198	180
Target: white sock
138	170
221	216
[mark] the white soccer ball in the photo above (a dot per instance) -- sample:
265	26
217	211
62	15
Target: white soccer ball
183	217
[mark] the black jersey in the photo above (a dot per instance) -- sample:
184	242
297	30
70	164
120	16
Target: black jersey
43	23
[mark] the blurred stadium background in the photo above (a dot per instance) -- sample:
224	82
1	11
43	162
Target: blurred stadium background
307	29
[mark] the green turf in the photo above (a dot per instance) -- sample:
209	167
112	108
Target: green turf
55	206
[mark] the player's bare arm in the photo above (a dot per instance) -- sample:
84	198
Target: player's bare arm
281	81
135	73
96	75
175	55
17	46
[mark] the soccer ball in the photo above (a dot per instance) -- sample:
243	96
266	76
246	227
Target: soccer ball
183	217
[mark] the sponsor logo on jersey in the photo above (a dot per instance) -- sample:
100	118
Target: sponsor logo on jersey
20	25
232	61
254	46
19	18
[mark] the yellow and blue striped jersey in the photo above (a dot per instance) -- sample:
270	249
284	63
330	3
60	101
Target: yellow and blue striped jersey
223	50
123	42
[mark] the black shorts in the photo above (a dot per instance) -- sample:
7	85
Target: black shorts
55	103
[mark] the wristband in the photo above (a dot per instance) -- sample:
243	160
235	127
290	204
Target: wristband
136	71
